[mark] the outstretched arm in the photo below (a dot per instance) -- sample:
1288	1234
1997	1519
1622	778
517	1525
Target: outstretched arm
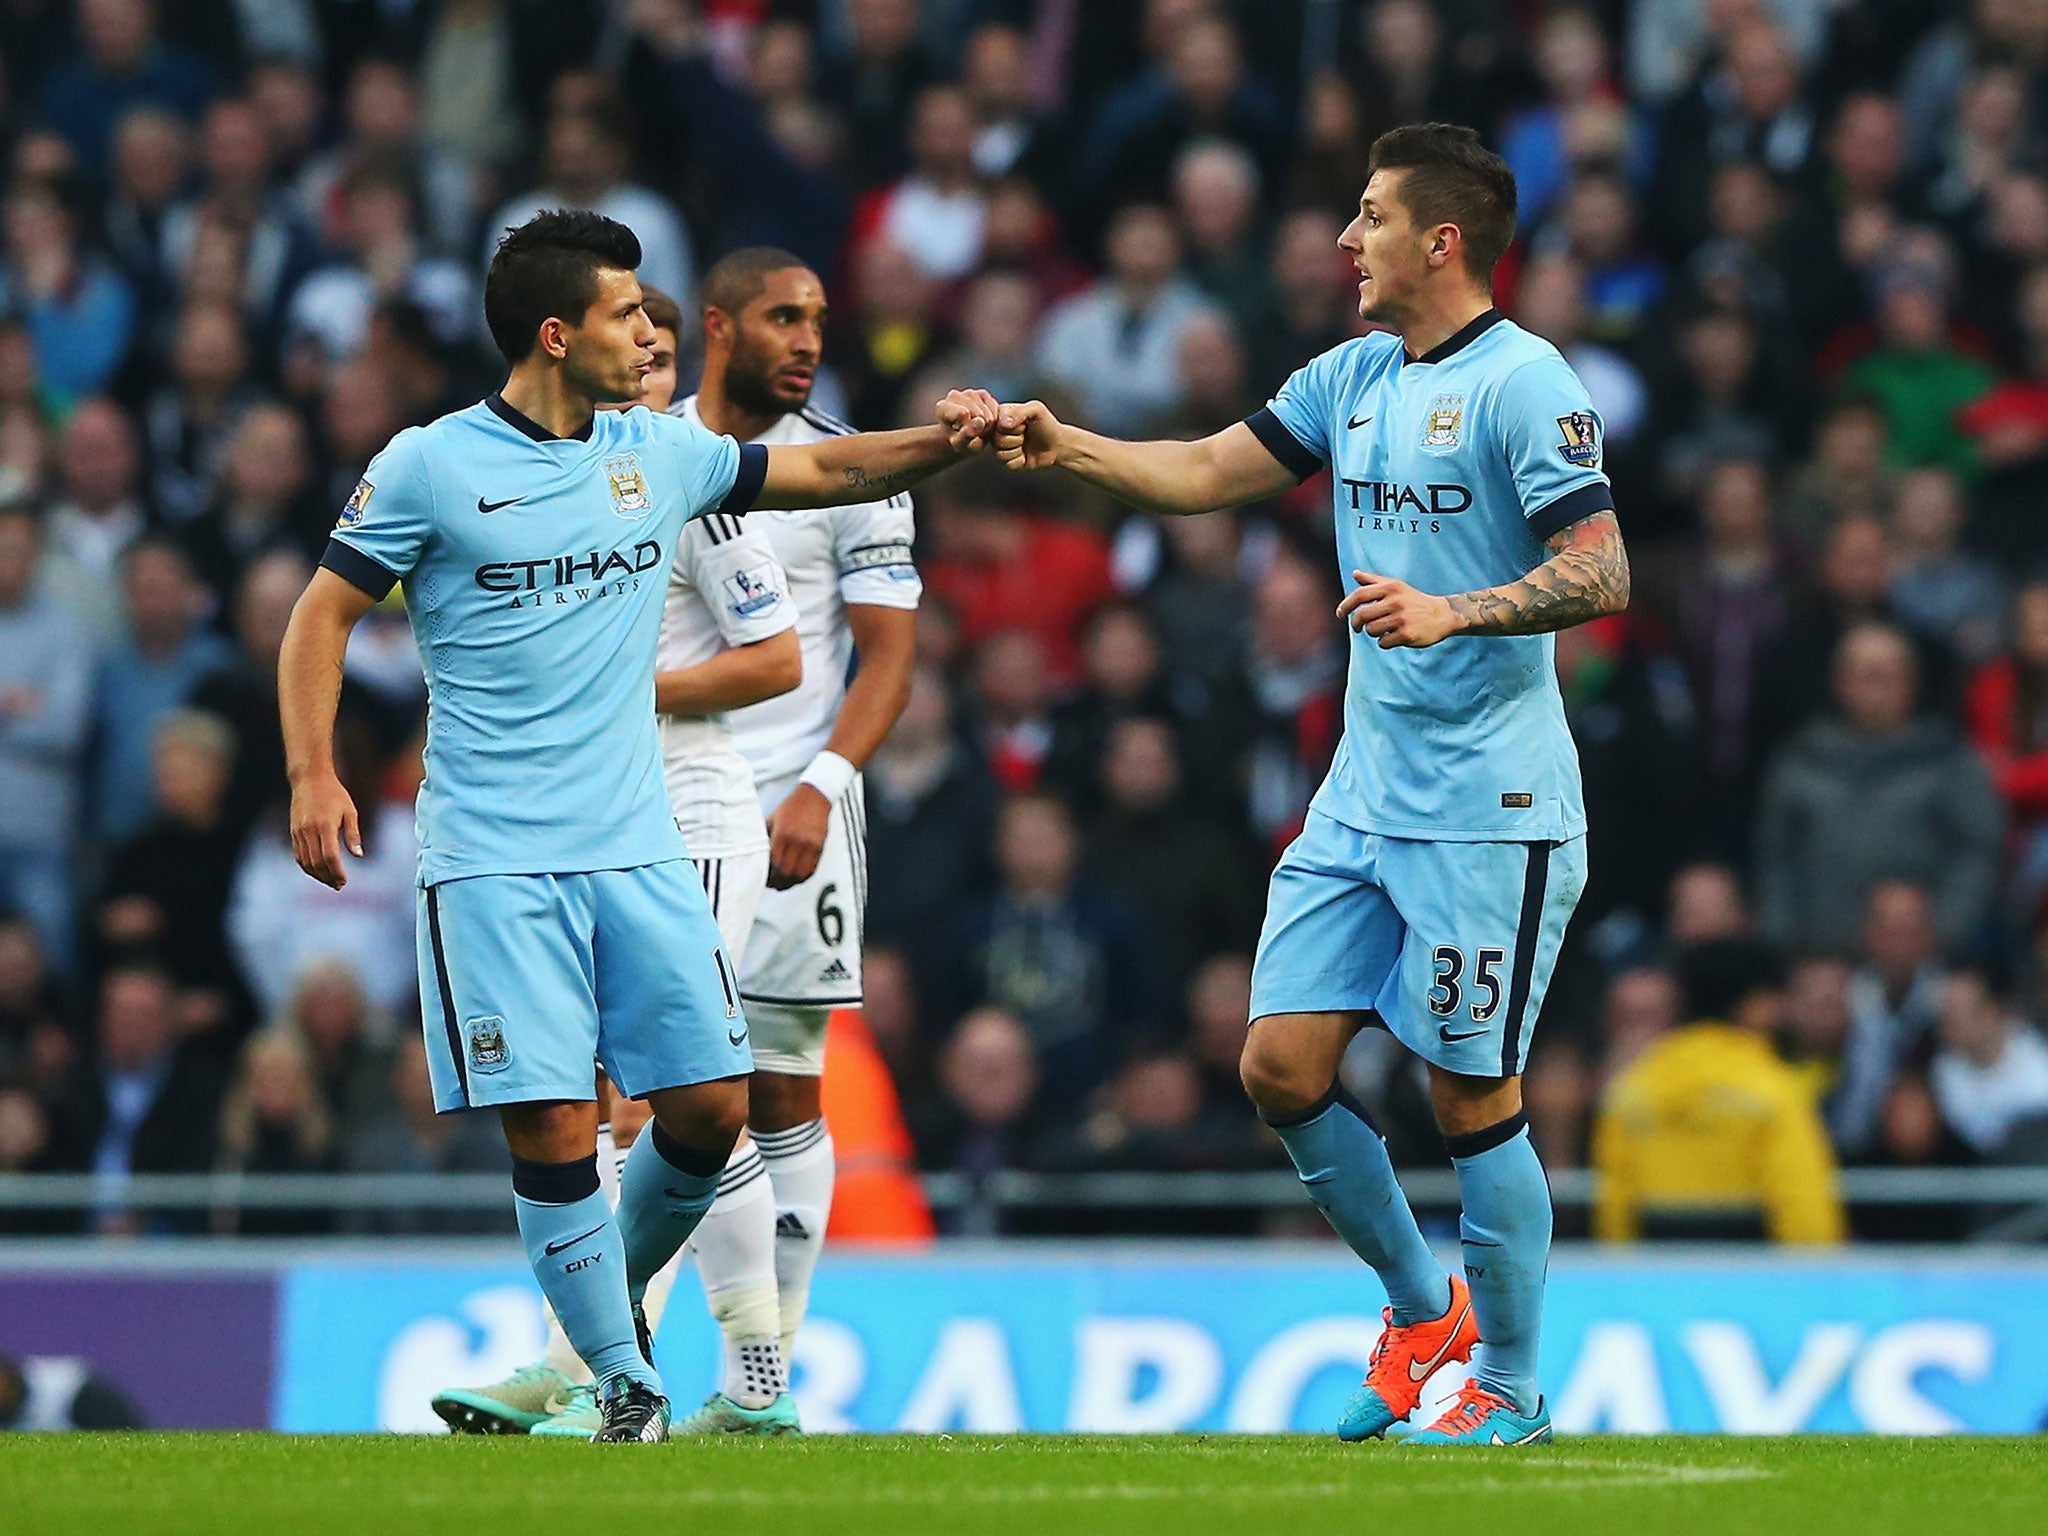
308	694
873	466
1224	470
1586	577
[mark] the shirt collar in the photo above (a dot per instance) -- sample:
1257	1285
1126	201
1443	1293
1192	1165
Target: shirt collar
532	428
1479	326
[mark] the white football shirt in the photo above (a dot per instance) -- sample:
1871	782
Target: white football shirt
725	589
832	557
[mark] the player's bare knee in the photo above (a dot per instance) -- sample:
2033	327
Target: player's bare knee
550	1132
707	1117
781	1100
1278	1080
1466	1104
726	1110
628	1118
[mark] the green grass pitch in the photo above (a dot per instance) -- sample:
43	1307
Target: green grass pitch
1187	1485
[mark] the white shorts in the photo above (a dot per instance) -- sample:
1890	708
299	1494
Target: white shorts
734	884
804	953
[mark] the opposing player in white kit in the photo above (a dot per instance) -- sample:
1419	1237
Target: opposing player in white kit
728	638
856	595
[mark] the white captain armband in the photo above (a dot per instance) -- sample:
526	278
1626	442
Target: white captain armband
874	557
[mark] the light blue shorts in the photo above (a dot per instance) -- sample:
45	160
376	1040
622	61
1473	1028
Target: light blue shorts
1450	945
525	980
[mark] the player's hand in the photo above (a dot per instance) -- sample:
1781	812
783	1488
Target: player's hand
796	836
1395	614
323	823
968	415
1027	436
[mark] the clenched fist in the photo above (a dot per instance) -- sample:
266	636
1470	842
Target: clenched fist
967	415
1027	436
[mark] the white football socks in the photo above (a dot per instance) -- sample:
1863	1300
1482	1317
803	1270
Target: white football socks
756	1250
735	1249
801	1167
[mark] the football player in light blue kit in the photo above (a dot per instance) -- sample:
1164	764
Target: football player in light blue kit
560	919
1429	890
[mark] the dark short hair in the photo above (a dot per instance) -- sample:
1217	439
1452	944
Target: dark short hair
547	268
1452	178
736	280
1718	975
662	311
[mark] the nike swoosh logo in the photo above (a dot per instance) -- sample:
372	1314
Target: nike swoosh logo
1450	1039
1419	1370
732	1039
1356	422
554	1248
492	506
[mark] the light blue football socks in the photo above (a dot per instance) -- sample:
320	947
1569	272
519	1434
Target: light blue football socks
1506	1234
1343	1162
577	1254
664	1190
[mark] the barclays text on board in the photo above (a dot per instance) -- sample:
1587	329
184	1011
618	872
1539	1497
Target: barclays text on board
1031	1339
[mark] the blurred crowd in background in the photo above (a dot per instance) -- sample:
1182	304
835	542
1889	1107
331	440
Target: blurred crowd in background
1797	249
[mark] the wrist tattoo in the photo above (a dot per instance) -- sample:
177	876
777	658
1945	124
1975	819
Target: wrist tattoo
1585	578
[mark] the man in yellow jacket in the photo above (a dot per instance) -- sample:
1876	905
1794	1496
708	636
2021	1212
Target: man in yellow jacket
1708	1132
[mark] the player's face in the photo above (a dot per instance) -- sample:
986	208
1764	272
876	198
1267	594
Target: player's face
661	378
610	351
778	340
1389	250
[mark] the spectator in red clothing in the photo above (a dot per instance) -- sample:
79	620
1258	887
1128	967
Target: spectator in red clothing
1003	567
2006	709
937	214
1016	725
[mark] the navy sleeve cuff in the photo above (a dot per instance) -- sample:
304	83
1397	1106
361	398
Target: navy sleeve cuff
1572	507
358	569
1299	460
746	485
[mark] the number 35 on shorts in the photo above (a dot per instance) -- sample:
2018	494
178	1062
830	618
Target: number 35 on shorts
1487	982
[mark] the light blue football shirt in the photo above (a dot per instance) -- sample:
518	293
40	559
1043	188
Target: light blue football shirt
1450	471
533	569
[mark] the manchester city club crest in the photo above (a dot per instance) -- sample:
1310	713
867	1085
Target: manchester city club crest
628	486
487	1049
1444	427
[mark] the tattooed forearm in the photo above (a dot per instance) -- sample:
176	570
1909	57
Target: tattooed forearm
859	479
1585	578
866	466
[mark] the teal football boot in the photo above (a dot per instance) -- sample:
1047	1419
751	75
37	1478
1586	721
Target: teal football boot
720	1415
509	1407
576	1415
1480	1417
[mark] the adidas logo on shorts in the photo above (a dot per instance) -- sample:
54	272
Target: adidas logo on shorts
836	971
